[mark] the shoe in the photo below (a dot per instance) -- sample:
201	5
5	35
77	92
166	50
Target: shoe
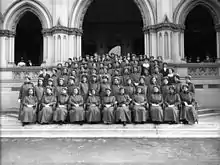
124	124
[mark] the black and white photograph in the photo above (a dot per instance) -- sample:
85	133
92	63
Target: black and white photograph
110	82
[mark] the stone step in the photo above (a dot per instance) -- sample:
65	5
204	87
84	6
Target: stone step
208	110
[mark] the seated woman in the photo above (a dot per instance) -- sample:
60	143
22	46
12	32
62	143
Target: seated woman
108	103
28	113
172	102
140	114
93	114
76	106
156	102
48	103
188	114
122	112
60	114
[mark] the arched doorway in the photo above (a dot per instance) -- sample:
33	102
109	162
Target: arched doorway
110	23
200	35
29	39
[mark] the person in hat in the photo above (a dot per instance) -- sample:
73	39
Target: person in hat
48	104
54	76
75	75
165	87
108	103
39	91
94	84
143	86
24	92
135	76
171	76
190	84
45	76
116	86
76	107
188	113
71	85
51	84
122	112
28	113
126	75
164	71
129	88
172	103
177	83
147	76
60	85
84	87
156	104
60	114
59	69
139	107
93	114
65	75
104	85
158	75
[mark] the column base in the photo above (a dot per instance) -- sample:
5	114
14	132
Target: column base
11	64
217	60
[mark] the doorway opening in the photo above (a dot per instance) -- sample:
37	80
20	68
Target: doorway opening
200	35
110	23
29	40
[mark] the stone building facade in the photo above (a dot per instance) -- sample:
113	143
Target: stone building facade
163	26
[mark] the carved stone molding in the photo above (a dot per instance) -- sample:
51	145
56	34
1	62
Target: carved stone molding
165	25
203	71
63	30
7	33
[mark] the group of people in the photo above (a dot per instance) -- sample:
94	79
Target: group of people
109	89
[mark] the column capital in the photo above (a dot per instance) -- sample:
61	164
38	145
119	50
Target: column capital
165	25
217	27
62	30
7	33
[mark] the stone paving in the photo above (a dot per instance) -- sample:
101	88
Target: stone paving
153	151
207	128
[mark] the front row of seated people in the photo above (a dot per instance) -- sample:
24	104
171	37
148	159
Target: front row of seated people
44	106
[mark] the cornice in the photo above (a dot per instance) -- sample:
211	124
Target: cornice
7	33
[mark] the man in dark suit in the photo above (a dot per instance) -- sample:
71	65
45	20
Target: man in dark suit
164	71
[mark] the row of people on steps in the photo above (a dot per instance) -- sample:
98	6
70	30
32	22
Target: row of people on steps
69	104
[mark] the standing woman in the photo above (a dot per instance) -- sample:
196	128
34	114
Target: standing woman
172	102
28	113
76	105
39	92
84	87
108	103
45	76
139	113
129	88
156	103
165	87
59	87
24	92
93	114
122	112
188	114
60	114
48	104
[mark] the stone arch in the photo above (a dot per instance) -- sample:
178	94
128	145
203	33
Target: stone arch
15	12
79	10
185	6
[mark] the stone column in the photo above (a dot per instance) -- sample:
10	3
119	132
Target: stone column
3	51
10	49
79	46
153	44
218	42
